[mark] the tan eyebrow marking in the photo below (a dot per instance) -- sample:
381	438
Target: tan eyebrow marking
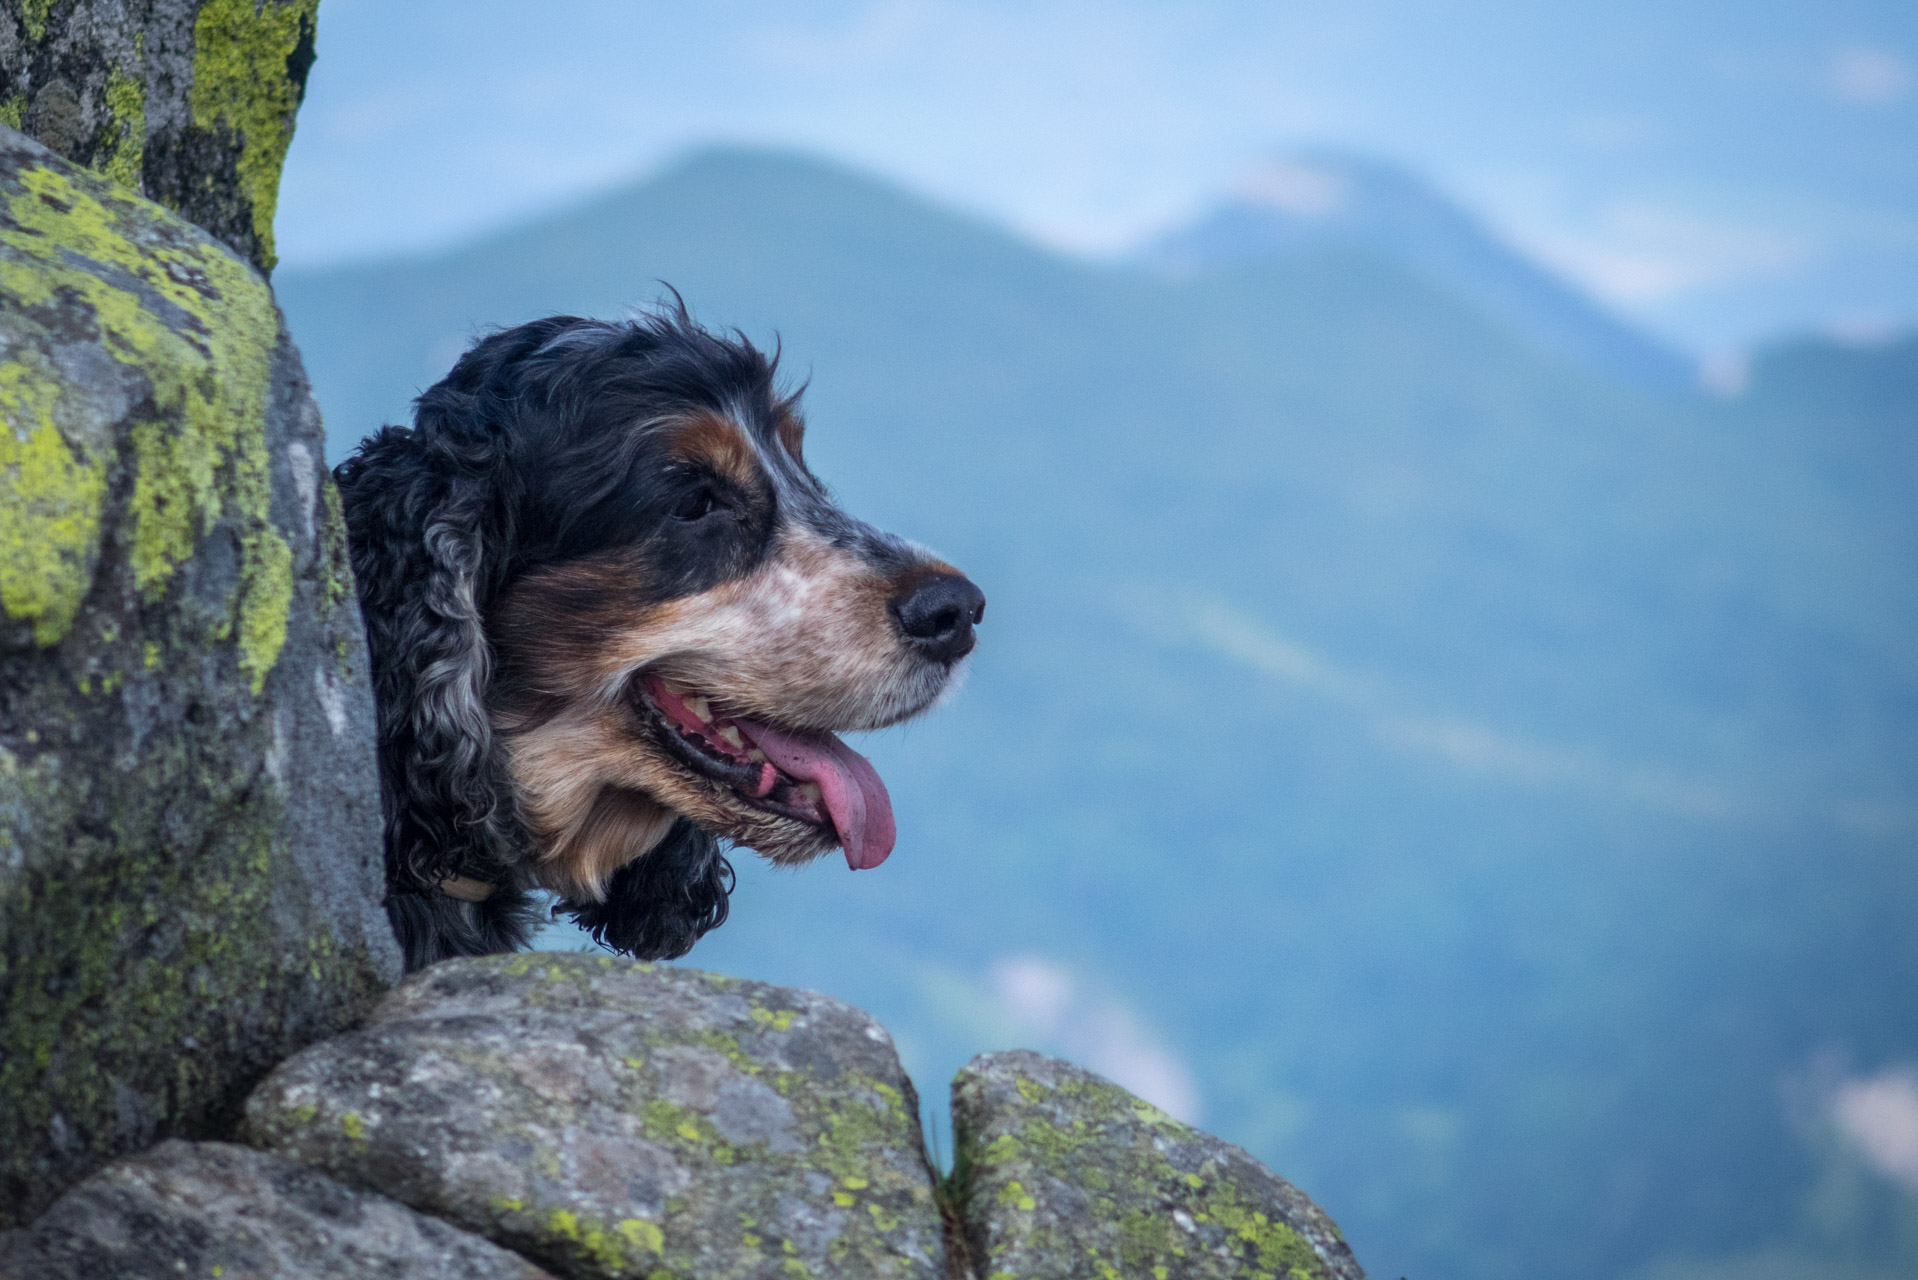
718	442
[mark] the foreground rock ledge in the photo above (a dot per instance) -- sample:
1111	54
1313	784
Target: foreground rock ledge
614	1119
1065	1174
208	1209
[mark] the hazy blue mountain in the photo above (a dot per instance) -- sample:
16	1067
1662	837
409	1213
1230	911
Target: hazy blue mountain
1491	780
1855	404
1312	202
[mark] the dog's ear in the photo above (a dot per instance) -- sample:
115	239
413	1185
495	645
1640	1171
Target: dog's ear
429	516
659	904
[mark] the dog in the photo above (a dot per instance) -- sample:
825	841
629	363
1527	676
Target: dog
614	620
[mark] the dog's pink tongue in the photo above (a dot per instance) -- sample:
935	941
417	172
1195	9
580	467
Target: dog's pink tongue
856	799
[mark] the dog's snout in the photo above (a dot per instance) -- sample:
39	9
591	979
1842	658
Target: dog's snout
937	612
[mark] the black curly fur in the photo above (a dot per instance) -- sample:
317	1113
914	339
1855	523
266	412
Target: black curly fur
439	520
658	906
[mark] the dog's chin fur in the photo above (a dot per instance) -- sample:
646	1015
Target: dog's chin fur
581	505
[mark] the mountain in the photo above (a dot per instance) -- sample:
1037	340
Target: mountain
1470	781
1860	399
1308	203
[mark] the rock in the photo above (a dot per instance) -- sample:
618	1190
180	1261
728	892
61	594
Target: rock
208	1209
188	102
611	1118
190	876
1065	1174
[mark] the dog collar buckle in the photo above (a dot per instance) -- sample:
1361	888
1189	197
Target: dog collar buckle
467	889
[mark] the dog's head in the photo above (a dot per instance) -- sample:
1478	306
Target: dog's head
627	601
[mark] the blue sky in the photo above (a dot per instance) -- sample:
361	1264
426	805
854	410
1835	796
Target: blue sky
1721	172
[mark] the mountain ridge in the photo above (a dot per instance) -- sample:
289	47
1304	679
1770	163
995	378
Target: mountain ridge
1315	199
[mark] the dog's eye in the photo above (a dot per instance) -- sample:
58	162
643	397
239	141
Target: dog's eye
697	505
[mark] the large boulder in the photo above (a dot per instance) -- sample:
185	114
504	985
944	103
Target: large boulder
189	816
188	102
611	1119
1063	1174
209	1209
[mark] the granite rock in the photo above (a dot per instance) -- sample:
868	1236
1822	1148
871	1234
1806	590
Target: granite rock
209	1209
187	102
190	874
1064	1174
615	1119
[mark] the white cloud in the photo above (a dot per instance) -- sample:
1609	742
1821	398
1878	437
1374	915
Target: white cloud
1460	743
1471	746
1479	748
1726	373
1878	1116
1633	253
1047	1001
1295	187
1870	77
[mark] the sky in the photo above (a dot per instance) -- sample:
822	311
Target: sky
1722	172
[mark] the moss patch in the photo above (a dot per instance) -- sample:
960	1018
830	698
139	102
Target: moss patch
121	149
33	13
199	327
50	496
242	82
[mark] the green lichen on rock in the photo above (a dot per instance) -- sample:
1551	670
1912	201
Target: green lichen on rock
50	496
189	102
122	147
33	14
189	878
209	1209
266	594
1067	1174
240	81
613	1119
201	453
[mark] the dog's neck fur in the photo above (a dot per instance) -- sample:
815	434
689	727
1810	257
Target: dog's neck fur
617	827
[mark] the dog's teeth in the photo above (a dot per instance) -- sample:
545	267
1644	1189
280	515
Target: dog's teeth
731	737
699	707
811	791
756	756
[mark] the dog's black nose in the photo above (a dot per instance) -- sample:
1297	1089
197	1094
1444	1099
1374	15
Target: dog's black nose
937	612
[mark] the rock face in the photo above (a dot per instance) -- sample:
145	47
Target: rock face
188	102
1065	1175
189	815
208	1209
610	1120
614	1119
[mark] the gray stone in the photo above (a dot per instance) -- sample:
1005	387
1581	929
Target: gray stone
187	102
611	1118
190	868
208	1209
1065	1174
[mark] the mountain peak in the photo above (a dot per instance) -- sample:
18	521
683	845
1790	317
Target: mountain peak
1295	204
1296	186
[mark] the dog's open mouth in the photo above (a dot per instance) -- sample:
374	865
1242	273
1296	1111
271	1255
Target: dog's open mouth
808	777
